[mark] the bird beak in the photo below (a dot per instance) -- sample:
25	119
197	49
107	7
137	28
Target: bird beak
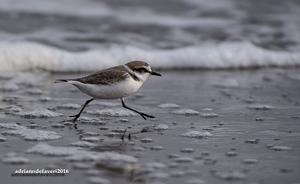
154	73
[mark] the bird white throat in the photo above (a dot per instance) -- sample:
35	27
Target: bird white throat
113	83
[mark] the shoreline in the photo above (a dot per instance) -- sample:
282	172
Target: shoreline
210	126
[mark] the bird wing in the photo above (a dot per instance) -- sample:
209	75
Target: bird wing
105	77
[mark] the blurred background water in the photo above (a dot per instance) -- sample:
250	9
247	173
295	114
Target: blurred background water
87	35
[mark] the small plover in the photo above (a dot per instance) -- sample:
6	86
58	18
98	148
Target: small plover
113	83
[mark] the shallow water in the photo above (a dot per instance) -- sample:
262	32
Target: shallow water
210	127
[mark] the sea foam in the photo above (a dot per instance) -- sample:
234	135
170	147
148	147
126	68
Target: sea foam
79	154
29	56
28	134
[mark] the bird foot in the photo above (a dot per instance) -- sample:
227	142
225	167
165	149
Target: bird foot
143	115
75	117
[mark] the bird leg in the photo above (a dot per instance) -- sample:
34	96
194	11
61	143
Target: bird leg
140	113
77	115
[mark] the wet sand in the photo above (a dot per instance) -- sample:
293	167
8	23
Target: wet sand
210	127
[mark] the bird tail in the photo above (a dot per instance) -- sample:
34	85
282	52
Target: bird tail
60	80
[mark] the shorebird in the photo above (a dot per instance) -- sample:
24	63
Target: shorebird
113	83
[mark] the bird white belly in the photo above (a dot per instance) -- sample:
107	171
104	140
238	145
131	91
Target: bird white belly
112	91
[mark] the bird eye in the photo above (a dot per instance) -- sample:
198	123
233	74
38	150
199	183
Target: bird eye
142	70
